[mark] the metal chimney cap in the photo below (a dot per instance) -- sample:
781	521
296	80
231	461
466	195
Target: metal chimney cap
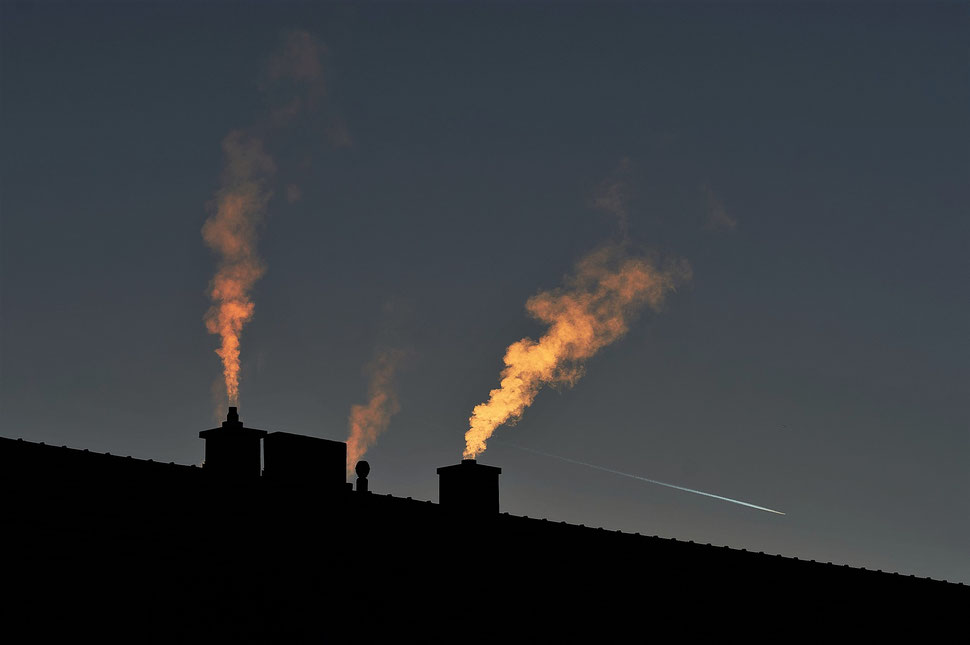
469	466
233	425
232	418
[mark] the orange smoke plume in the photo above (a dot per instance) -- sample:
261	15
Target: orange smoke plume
592	310
366	422
231	232
293	79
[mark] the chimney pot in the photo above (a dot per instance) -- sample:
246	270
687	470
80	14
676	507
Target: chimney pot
232	418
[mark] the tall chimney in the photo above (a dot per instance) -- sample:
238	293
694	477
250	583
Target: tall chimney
469	487
232	452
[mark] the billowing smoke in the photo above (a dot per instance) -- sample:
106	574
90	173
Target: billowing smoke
293	79
368	421
592	309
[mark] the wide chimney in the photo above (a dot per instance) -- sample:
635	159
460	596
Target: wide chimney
469	487
232	452
312	463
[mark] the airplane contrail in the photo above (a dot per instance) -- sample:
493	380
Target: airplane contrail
651	481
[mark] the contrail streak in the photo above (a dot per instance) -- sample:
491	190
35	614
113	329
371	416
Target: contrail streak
651	481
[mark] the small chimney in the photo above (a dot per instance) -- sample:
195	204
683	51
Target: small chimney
469	487
232	452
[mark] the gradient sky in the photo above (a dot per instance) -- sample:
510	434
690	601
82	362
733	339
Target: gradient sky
810	161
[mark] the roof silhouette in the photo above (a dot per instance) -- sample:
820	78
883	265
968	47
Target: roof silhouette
145	551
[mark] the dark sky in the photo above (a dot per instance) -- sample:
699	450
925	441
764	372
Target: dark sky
809	161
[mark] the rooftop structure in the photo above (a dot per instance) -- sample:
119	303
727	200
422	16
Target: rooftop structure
284	549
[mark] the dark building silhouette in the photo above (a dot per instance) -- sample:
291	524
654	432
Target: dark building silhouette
298	460
283	549
469	487
233	451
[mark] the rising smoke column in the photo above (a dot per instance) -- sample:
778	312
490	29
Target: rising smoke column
591	310
231	233
367	421
293	81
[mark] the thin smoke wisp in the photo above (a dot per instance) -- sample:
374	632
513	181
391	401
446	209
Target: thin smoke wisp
369	420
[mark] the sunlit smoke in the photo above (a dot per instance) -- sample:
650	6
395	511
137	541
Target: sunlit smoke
293	80
231	233
367	421
592	310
